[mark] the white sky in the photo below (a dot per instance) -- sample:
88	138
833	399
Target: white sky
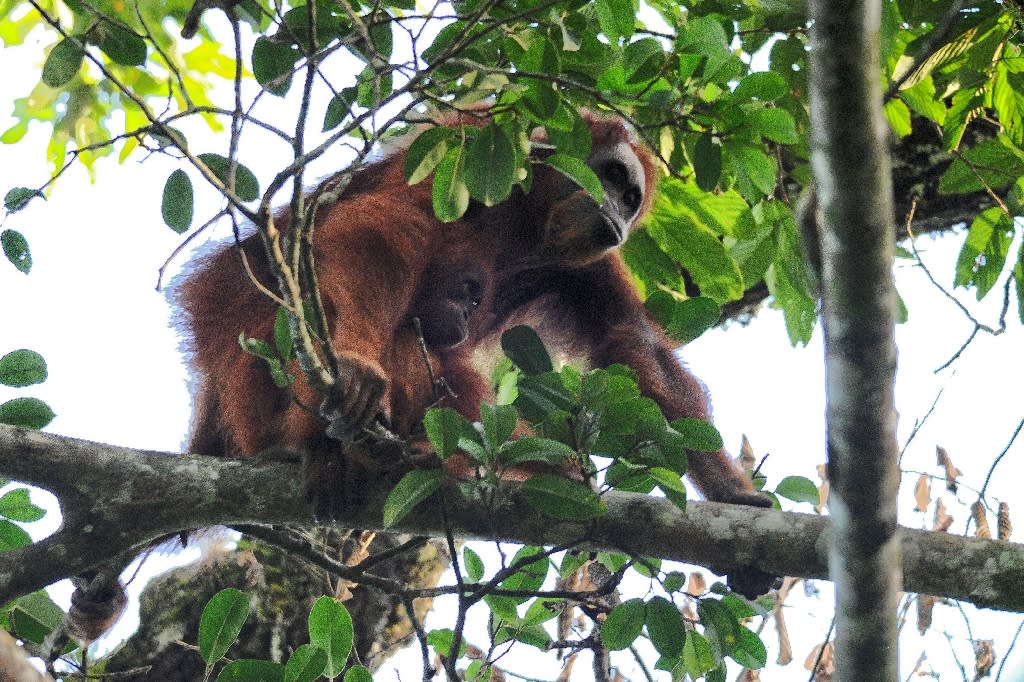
90	308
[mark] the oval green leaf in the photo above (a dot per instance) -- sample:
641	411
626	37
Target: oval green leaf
444	427
273	62
490	166
247	187
221	622
425	152
18	197
798	489
523	346
120	44
698	435
665	627
720	626
579	172
415	486
623	625
330	629
449	193
707	162
30	413
16	250
177	203
306	664
63	63
473	564
17	506
21	368
562	499
358	674
251	670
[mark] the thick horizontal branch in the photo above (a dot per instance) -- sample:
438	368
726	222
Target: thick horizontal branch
119	499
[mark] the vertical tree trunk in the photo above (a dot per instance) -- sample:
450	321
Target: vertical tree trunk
851	167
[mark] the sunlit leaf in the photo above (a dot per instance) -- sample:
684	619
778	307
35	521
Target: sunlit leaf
221	622
330	629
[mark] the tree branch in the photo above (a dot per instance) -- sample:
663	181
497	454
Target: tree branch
118	499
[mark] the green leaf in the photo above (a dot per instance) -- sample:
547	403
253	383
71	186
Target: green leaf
449	194
444	427
306	664
63	63
579	172
499	421
531	449
530	577
247	187
18	198
665	627
776	125
798	489
671	483
562	499
16	249
441	640
358	673
21	368
30	413
766	86
221	622
623	625
177	203
898	116
698	434
754	169
35	616
523	346
473	564
330	629
339	107
683	320
12	536
415	486
720	626
425	152
989	164
120	44
490	166
750	651
17	506
616	18
273	62
283	334
984	251
251	670
707	162
698	657
643	60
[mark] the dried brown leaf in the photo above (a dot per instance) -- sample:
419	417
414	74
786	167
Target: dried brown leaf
822	489
696	584
825	670
922	493
981	520
1005	527
749	675
942	520
747	458
984	658
946	462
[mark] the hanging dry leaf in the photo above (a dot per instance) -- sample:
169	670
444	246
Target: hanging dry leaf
749	675
946	462
922	493
981	520
984	658
696	585
567	669
925	606
1005	527
824	657
942	520
822	489
785	656
747	458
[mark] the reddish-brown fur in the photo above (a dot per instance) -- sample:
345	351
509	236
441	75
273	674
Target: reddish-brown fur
375	247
